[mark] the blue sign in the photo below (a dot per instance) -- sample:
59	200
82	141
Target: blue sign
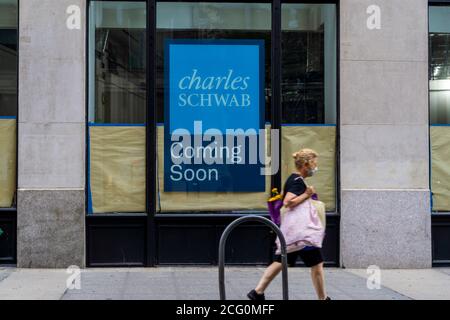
214	116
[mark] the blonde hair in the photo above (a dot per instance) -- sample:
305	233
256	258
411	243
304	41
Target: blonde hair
303	157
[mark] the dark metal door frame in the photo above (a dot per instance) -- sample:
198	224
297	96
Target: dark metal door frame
151	139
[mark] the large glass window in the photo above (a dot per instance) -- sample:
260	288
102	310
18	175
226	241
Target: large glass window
8	100
439	37
235	76
117	106
309	91
196	21
440	65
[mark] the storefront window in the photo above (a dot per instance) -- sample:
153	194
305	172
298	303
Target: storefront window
117	106
221	55
213	72
309	91
439	37
8	101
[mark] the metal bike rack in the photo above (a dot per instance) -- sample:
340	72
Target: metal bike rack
222	244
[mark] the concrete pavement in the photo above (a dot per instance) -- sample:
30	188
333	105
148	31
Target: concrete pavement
201	283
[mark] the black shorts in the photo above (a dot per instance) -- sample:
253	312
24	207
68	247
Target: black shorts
311	257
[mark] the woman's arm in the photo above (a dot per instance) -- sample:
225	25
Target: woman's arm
291	200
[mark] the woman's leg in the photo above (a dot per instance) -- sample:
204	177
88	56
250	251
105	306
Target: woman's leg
271	272
318	279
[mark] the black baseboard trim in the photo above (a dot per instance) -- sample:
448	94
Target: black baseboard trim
8	238
115	241
440	224
187	240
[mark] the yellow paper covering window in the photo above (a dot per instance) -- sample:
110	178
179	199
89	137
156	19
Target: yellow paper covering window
440	168
117	168
207	201
323	141
7	162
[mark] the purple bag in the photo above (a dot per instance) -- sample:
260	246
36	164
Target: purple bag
274	211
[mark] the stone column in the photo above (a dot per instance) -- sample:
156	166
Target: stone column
385	194
51	195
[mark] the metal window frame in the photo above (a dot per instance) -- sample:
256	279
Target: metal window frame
14	204
11	212
439	219
432	3
151	116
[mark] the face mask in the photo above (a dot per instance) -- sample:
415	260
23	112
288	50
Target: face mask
312	172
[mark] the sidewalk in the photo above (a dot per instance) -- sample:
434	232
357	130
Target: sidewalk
201	283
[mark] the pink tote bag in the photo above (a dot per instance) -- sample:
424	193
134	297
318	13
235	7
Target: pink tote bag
301	227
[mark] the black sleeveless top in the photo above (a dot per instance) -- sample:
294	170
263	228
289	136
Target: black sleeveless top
295	185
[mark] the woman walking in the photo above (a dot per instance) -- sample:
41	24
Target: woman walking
296	193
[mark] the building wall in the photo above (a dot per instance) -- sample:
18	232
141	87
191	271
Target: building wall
385	196
384	152
51	210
